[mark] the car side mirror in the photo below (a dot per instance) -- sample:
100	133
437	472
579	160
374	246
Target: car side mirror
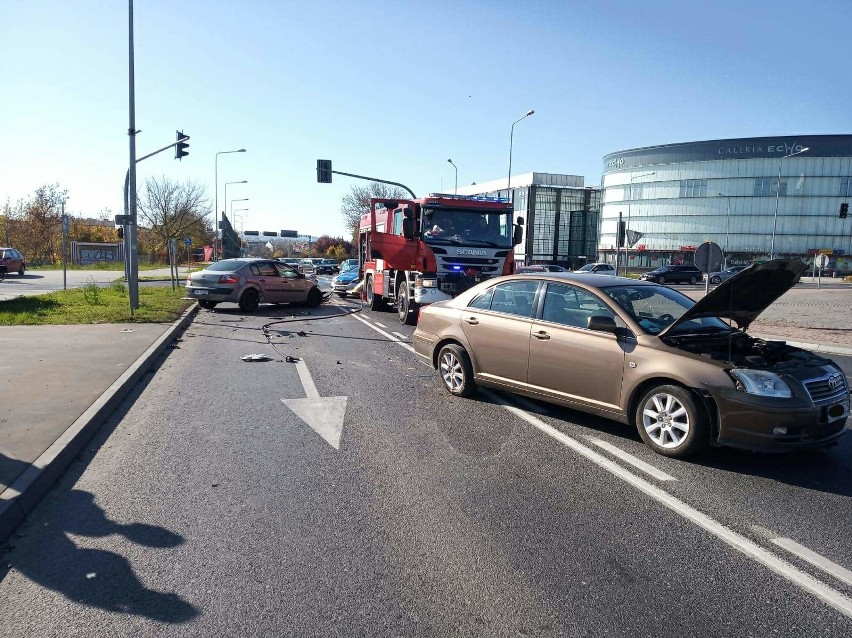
518	235
408	228
602	323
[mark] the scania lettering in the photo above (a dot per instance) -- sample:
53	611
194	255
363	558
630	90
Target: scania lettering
418	251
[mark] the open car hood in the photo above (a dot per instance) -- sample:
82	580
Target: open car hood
745	295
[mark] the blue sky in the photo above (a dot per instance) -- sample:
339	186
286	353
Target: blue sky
393	89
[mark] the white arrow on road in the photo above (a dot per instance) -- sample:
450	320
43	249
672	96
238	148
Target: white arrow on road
323	414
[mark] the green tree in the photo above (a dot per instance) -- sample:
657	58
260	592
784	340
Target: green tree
34	225
356	204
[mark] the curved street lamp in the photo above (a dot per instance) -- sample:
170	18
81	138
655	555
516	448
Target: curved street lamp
216	197
456	191
511	138
777	192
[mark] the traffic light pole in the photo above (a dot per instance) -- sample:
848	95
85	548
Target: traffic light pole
133	272
131	269
376	179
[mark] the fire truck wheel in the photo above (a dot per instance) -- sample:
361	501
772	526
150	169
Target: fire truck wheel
456	371
405	308
374	301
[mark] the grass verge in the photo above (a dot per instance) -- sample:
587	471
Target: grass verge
91	304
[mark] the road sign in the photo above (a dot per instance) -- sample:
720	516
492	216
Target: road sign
187	241
123	220
64	223
708	257
821	261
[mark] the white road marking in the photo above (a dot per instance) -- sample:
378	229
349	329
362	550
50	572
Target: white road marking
383	333
529	405
830	596
380	324
840	573
739	542
324	414
401	336
308	384
632	460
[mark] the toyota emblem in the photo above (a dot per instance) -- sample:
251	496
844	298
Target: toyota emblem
834	382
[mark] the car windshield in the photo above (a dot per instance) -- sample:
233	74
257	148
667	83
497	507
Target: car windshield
461	227
655	308
227	265
587	268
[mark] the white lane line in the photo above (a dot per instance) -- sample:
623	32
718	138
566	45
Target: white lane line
840	573
529	405
639	464
401	336
383	333
381	325
830	596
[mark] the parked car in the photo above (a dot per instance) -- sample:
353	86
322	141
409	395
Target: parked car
674	275
13	260
600	268
307	267
344	284
250	282
525	270
327	266
643	354
722	275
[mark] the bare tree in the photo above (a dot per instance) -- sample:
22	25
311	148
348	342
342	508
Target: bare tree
357	203
174	210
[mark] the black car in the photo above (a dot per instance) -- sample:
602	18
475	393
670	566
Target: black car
327	266
674	275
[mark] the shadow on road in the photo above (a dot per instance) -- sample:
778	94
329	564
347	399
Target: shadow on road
10	469
97	577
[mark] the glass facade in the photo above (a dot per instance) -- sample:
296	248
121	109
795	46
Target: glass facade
677	196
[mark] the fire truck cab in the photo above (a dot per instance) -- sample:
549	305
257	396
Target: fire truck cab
416	252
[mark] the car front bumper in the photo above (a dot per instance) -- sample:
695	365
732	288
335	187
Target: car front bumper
217	295
773	425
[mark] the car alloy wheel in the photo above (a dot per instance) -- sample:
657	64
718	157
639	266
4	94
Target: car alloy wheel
670	422
249	301
693	280
715	280
314	297
661	280
456	370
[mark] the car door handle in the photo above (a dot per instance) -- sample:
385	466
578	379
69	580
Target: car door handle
472	321
541	334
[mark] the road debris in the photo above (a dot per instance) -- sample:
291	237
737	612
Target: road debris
256	357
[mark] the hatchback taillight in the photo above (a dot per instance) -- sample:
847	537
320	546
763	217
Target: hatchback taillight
228	279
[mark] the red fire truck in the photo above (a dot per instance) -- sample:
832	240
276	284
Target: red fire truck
415	252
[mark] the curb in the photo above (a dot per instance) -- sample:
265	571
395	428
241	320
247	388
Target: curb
823	348
21	497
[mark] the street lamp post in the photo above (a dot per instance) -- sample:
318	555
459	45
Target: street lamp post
243	199
630	199
777	192
511	139
456	191
216	197
226	206
234	214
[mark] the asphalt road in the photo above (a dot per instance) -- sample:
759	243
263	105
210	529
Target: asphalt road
207	507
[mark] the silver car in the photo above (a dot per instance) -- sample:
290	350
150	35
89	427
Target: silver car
724	275
250	282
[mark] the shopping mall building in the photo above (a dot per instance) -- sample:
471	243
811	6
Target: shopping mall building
752	196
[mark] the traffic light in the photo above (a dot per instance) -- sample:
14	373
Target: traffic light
622	227
120	231
182	145
844	210
324	171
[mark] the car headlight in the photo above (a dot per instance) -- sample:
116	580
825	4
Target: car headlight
422	282
761	383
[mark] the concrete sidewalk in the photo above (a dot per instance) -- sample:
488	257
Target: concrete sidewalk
58	384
